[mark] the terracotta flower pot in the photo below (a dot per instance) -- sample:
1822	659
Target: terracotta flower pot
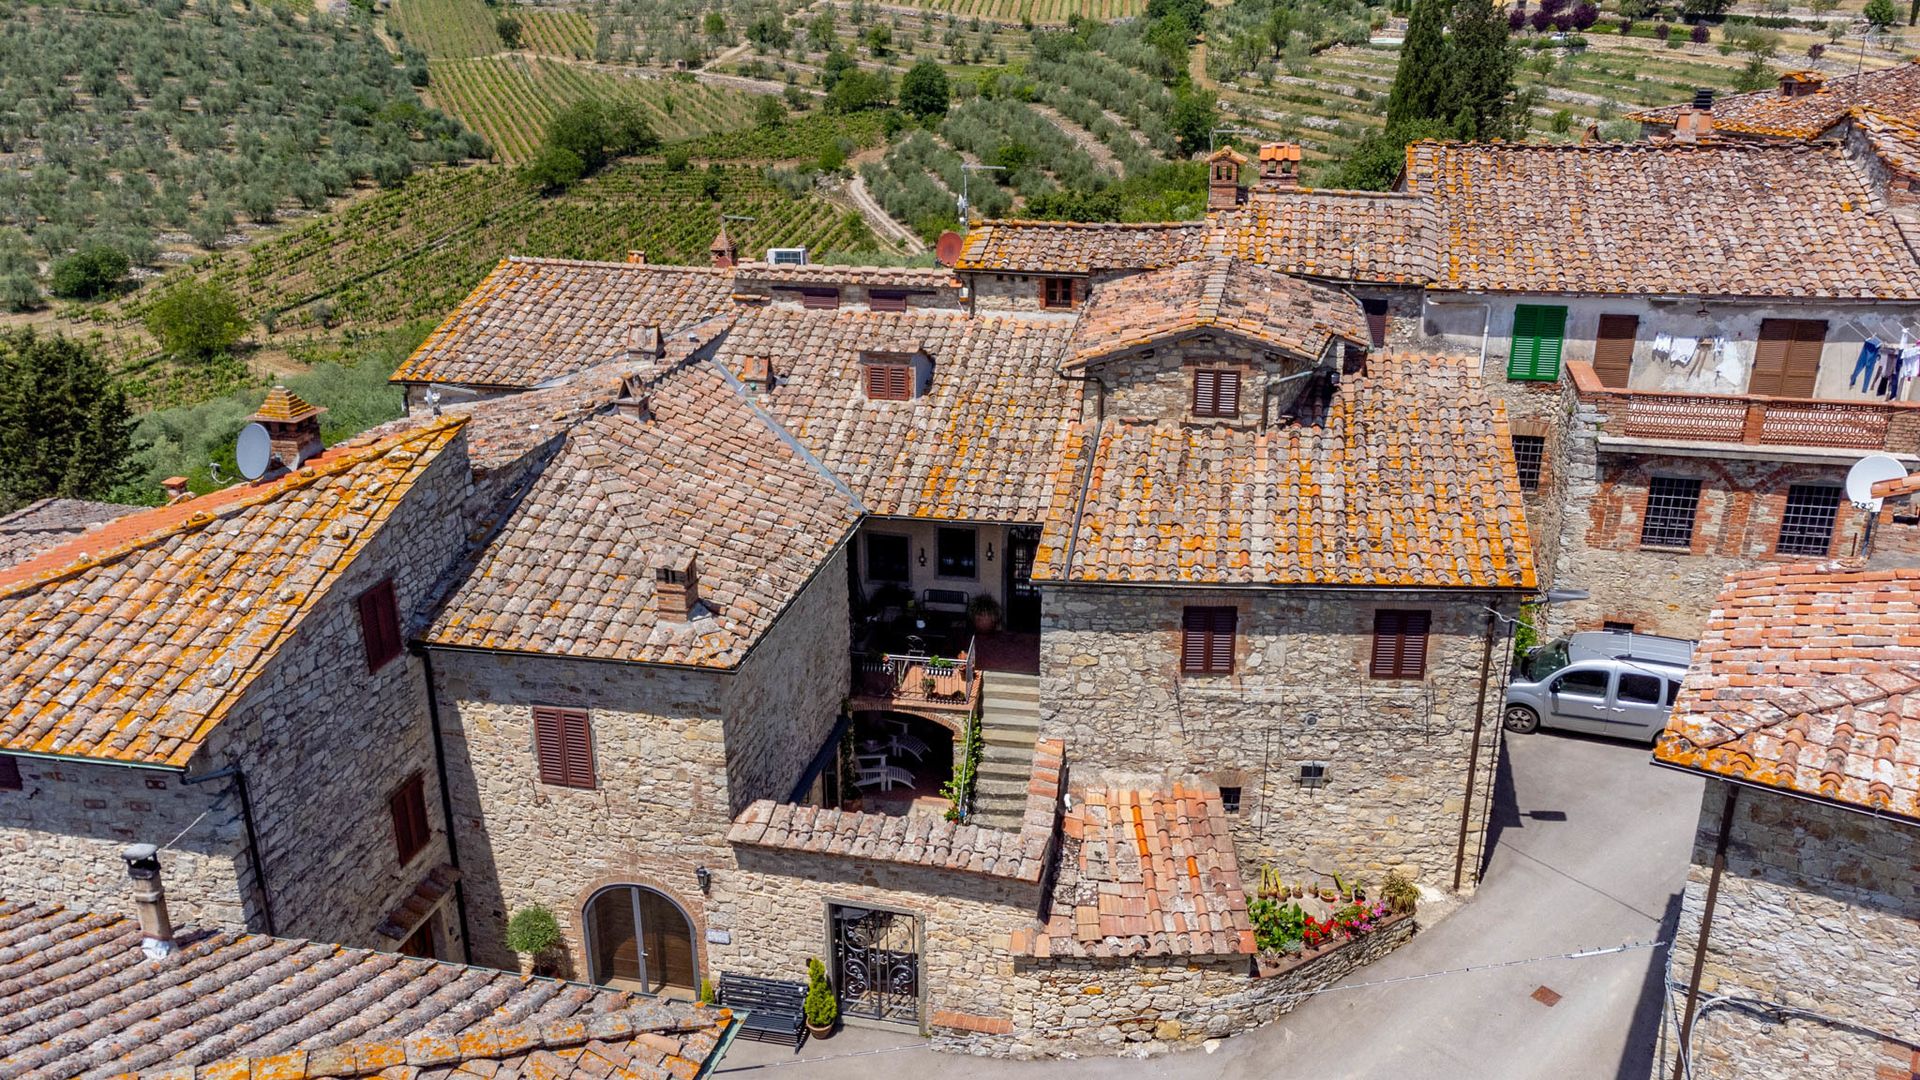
819	1032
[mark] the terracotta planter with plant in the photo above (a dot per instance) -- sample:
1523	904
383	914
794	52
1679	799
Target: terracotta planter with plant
821	1007
986	613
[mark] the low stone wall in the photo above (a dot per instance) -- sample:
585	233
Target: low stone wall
1154	1004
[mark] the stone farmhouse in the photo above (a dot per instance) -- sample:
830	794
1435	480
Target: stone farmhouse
1796	951
1806	105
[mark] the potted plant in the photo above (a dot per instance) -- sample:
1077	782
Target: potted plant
534	933
1401	895
985	611
821	1007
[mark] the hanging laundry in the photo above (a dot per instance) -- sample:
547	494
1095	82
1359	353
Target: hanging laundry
1908	371
1663	347
1682	353
1864	366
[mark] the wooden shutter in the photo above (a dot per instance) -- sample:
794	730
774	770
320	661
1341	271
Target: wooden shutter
886	300
1376	312
1216	393
409	809
1613	348
890	382
1207	640
1803	358
380	625
1229	389
820	298
563	746
1538	332
1400	644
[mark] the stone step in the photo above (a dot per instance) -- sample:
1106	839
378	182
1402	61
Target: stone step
1011	739
983	787
994	709
1005	770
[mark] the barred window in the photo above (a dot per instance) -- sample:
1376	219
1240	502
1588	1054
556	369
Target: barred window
1528	452
1672	502
1806	527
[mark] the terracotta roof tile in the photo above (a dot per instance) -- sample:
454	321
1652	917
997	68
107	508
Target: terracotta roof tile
1227	294
78	997
571	569
1146	873
532	320
979	444
130	642
1340	235
1808	679
1407	481
1735	219
48	523
1894	91
1895	140
1072	247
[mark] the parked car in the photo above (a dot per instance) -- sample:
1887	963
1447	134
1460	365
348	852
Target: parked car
1605	682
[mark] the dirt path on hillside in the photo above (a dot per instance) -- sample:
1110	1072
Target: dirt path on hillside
879	220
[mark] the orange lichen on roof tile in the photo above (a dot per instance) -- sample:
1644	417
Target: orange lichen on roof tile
284	406
1808	679
1894	91
1366	236
1146	873
1072	247
130	642
1279	311
1407	480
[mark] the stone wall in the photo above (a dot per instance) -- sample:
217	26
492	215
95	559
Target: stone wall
1396	751
676	753
1157	383
1107	1006
1819	909
1021	292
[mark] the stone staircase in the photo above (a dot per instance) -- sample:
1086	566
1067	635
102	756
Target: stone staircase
1009	724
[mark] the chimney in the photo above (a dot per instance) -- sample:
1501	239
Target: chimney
1223	178
176	489
293	426
722	250
1795	84
1703	99
676	586
634	401
645	342
1280	167
757	374
149	900
637	257
1693	125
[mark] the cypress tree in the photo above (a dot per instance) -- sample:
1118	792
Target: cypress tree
1420	82
64	425
1481	63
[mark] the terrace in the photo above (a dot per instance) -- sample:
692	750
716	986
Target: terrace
1749	419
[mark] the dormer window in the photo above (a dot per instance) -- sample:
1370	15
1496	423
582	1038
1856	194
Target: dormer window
1056	292
890	376
1216	394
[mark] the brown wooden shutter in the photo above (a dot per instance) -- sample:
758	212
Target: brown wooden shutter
1400	644
1193	640
820	299
1206	393
379	625
890	382
1613	348
1207	640
1229	403
1220	640
548	743
886	300
409	809
1803	358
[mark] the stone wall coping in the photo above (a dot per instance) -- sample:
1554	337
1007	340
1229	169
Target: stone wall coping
919	839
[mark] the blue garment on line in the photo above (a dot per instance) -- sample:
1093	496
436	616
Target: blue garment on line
1863	367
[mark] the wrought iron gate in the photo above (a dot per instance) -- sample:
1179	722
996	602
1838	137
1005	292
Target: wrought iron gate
876	964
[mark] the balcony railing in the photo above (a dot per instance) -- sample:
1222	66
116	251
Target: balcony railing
1750	419
918	678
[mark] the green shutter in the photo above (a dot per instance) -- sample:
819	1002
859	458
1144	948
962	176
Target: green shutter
1538	333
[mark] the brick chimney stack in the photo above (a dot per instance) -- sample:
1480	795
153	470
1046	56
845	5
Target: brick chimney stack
722	250
637	257
293	426
176	489
1223	178
149	900
676	586
634	402
1280	167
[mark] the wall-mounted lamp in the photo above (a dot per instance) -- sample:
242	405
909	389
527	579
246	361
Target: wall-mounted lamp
989	551
705	877
923	556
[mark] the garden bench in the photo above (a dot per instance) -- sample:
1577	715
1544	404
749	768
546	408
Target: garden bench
775	1010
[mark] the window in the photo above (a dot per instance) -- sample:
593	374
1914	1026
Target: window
1529	451
1538	332
1230	799
1313	774
1216	393
1376	312
563	743
380	625
409	808
1806	526
820	298
1613	348
1588	682
1206	640
1056	292
10	773
887	557
1672	502
887	299
889	382
1787	357
420	942
956	549
1641	689
1617	626
1400	644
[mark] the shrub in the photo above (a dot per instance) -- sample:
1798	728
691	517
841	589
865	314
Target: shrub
1700	34
508	28
1880	13
822	1008
18	292
555	169
532	931
1399	893
89	272
63	421
196	320
768	112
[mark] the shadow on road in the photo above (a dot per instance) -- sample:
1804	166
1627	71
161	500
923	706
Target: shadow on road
1506	807
1637	1062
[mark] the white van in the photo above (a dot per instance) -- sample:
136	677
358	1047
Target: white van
1605	682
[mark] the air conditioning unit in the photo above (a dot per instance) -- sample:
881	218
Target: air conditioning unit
787	256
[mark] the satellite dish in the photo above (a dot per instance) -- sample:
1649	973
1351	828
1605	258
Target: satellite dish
254	451
1868	471
947	248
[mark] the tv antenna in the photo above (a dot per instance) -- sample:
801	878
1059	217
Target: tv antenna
253	452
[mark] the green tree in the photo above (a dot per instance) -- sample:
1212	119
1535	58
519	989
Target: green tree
1195	112
196	320
1481	61
92	271
1376	162
1191	12
1420	82
508	28
769	112
1755	76
859	89
924	91
65	430
715	26
1880	13
837	64
555	169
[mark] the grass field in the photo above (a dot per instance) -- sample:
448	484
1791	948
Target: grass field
444	28
509	99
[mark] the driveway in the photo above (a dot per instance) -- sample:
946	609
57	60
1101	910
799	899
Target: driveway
1591	848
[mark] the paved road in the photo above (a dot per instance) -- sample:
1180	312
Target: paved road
1591	851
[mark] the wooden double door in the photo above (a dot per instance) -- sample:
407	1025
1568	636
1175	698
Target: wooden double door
637	939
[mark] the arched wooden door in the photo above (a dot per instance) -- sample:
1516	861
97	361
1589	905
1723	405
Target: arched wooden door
638	939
